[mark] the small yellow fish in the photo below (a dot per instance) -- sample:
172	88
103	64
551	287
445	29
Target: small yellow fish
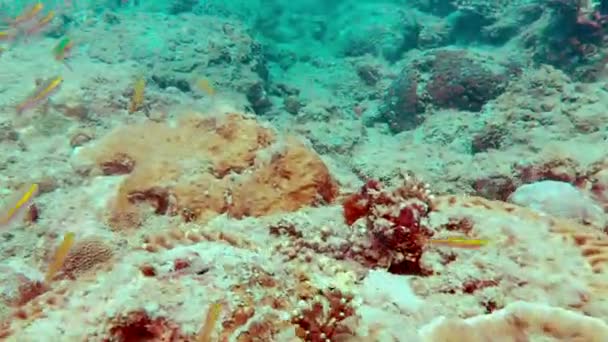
459	242
137	99
204	85
41	23
45	90
16	207
28	14
213	315
8	35
61	254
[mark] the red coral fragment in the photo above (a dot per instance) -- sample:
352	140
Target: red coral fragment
120	164
355	207
147	270
475	285
358	205
137	326
28	290
180	264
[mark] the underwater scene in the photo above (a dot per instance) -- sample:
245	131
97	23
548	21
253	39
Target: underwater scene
305	170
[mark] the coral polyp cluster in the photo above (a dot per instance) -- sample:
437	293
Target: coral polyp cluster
321	323
395	220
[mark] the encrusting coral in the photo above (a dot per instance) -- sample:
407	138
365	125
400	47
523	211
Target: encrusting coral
518	321
205	166
84	255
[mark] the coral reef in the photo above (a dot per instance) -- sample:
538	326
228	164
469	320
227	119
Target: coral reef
306	217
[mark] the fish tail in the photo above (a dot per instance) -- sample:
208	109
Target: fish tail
19	215
25	106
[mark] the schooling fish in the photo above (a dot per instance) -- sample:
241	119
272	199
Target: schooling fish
16	207
8	35
41	24
459	242
27	15
41	94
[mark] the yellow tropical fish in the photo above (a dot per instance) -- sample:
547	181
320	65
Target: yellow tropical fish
61	254
204	85
28	14
8	35
45	90
459	242
41	23
17	205
213	315
137	99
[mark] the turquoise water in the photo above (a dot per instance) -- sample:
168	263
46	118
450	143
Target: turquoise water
306	170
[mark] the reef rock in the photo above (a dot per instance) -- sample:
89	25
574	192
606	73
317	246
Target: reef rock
443	78
206	166
361	28
548	197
